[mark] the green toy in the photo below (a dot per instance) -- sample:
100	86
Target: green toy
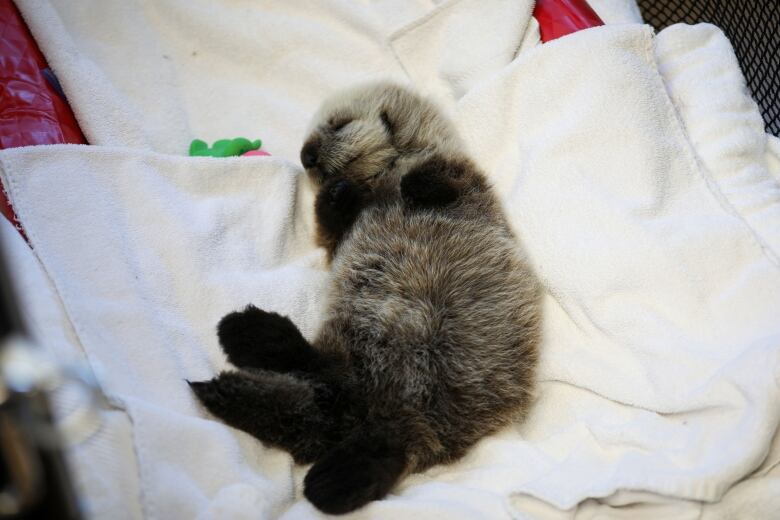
224	147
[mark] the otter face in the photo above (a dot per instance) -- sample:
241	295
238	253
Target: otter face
361	134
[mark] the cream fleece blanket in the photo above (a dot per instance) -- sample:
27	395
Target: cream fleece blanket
634	167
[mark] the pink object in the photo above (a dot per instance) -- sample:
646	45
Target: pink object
255	152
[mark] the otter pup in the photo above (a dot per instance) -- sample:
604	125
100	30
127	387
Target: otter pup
430	338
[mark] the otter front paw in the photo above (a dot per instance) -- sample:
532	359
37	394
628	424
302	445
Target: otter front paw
433	183
266	340
338	204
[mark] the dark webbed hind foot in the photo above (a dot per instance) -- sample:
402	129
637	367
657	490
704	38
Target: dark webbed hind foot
278	409
266	340
355	473
437	182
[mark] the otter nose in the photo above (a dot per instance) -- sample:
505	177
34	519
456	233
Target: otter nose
309	155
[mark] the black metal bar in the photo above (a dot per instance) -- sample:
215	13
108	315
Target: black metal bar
34	479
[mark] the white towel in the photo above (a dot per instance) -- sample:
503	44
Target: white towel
660	361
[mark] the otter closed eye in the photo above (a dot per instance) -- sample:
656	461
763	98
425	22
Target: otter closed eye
339	124
386	121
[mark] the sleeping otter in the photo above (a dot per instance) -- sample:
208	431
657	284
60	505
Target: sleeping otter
430	338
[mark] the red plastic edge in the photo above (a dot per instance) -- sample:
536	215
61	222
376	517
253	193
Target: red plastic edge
32	111
558	18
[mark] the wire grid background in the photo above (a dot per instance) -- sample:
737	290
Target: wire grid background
753	26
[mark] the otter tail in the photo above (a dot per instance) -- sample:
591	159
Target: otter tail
364	467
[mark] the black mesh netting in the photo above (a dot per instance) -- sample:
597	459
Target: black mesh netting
753	26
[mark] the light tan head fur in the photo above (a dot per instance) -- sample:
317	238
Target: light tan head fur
368	134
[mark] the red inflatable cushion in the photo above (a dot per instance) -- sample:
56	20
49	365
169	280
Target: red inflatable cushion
32	111
561	17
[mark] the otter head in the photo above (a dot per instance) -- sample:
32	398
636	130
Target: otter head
365	134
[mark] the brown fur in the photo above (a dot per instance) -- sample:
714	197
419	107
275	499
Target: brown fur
430	337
